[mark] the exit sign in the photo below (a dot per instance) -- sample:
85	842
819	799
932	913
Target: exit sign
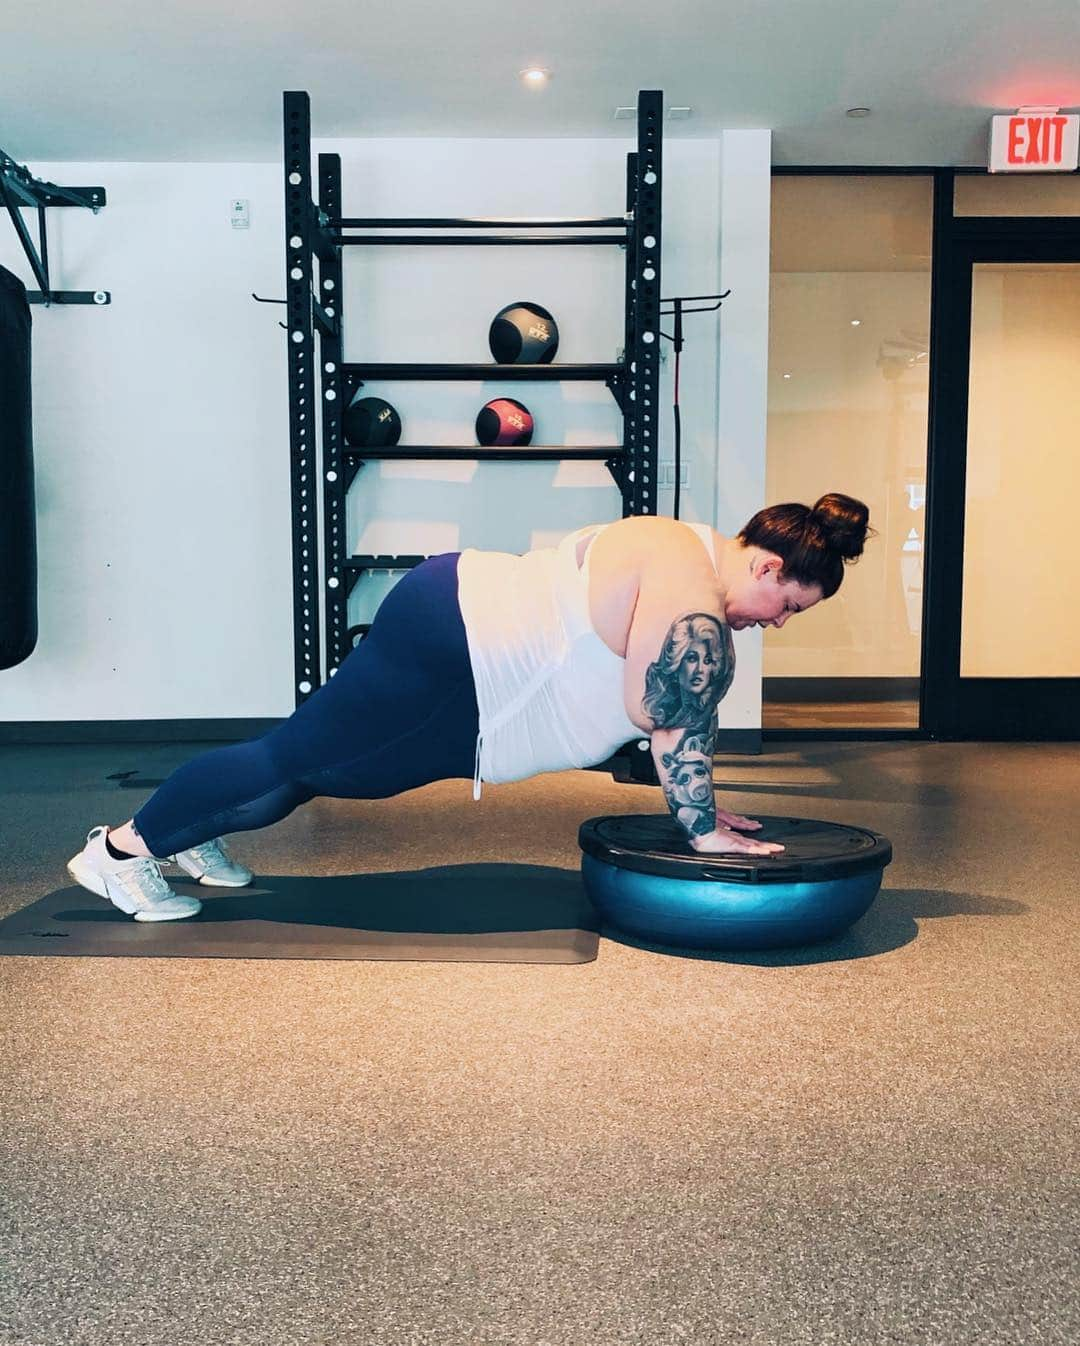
1034	140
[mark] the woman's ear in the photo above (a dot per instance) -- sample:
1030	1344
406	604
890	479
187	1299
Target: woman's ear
767	563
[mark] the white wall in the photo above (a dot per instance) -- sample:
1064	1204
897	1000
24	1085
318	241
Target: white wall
161	456
161	421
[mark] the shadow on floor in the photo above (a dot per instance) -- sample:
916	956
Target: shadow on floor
482	912
478	912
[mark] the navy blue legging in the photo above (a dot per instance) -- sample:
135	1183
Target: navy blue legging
399	713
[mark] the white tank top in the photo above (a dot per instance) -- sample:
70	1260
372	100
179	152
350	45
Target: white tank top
549	691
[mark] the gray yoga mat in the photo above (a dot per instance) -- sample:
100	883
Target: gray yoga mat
457	913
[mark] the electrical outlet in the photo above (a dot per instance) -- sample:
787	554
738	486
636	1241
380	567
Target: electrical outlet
666	476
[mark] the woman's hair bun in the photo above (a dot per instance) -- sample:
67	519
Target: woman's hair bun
843	523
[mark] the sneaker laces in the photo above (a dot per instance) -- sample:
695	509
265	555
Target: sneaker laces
210	852
143	877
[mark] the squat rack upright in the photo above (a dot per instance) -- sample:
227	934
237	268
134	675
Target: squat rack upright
321	377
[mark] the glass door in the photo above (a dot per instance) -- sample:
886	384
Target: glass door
1003	618
849	341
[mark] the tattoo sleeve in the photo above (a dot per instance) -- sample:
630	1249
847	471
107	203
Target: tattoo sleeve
682	690
684	763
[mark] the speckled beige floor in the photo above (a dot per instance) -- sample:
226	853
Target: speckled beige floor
870	1142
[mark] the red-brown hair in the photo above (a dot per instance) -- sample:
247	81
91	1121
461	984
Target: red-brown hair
814	542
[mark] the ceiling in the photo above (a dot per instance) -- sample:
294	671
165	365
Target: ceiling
197	81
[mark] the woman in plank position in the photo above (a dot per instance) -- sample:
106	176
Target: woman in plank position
493	667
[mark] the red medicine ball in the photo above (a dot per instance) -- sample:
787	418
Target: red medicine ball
504	421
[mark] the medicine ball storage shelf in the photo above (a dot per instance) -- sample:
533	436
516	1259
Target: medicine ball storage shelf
507	453
319	377
553	373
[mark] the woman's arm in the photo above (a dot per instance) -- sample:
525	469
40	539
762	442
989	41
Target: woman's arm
684	764
681	688
682	749
679	664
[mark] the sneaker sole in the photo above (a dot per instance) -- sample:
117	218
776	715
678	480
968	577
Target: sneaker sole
207	881
93	882
218	883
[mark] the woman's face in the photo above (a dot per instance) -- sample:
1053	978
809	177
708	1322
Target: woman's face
762	598
698	668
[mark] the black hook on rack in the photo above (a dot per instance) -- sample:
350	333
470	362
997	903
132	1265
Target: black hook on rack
678	308
260	300
19	189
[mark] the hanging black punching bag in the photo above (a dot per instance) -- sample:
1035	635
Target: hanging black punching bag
18	527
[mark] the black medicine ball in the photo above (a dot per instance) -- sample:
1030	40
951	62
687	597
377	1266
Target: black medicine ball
371	423
504	421
524	334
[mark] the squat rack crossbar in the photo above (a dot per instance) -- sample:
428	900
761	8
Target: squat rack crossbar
505	222
417	236
19	189
457	240
320	378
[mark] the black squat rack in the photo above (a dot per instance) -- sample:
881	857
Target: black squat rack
321	377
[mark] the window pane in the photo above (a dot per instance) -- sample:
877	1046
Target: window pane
1021	612
1017	194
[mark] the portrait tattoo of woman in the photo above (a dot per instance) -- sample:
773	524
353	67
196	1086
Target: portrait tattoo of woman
695	669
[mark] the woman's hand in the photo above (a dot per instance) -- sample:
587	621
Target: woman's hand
723	842
736	821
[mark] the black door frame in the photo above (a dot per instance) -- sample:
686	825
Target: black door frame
953	707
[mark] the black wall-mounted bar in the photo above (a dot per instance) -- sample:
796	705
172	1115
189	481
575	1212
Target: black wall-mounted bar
19	189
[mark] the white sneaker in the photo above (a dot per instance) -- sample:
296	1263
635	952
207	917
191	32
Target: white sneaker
136	886
210	863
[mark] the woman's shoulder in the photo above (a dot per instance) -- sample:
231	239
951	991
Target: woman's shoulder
657	546
649	531
661	566
649	525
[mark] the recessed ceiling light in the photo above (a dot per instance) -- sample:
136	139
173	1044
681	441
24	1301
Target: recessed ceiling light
535	76
858	112
856	322
787	376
